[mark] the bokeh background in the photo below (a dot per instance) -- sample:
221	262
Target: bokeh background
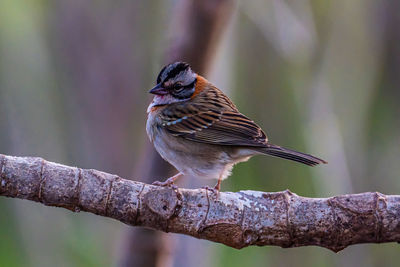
318	76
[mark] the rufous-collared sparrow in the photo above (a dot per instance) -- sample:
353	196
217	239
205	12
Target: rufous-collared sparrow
196	127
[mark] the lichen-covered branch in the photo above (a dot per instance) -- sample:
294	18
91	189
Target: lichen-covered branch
236	219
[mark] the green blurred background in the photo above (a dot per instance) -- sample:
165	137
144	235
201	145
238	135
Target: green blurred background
319	76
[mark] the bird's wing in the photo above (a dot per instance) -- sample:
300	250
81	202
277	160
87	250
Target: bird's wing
211	124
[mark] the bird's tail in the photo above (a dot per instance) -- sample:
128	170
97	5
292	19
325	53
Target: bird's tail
285	153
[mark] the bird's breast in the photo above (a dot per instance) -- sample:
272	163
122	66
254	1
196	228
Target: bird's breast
153	125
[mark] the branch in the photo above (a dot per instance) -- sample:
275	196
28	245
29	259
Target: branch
235	219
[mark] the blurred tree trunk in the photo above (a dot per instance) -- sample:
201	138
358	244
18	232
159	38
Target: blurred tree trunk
384	122
194	37
107	58
96	46
390	19
108	78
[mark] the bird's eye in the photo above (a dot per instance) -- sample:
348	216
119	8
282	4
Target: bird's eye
178	87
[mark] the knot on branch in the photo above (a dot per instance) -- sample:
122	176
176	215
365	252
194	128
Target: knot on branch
164	201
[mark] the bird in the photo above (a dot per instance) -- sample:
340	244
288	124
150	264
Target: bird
195	127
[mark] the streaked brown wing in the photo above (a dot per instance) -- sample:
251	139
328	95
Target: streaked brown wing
216	127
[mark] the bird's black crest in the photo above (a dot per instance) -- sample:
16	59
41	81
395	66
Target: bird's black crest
171	70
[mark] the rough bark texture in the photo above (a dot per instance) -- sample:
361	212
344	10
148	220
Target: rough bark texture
235	219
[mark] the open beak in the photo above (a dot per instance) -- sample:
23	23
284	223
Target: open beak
158	90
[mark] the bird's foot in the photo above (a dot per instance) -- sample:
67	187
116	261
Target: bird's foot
216	188
165	184
212	189
169	182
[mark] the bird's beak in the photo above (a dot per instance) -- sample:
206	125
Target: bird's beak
158	90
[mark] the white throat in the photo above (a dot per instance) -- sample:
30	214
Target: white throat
163	100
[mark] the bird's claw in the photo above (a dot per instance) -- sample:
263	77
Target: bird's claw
212	189
167	183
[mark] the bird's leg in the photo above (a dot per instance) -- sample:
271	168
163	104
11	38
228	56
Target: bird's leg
170	181
217	187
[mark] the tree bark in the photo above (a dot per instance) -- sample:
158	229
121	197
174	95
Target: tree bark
235	219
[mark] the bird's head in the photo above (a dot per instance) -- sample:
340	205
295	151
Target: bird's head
176	82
